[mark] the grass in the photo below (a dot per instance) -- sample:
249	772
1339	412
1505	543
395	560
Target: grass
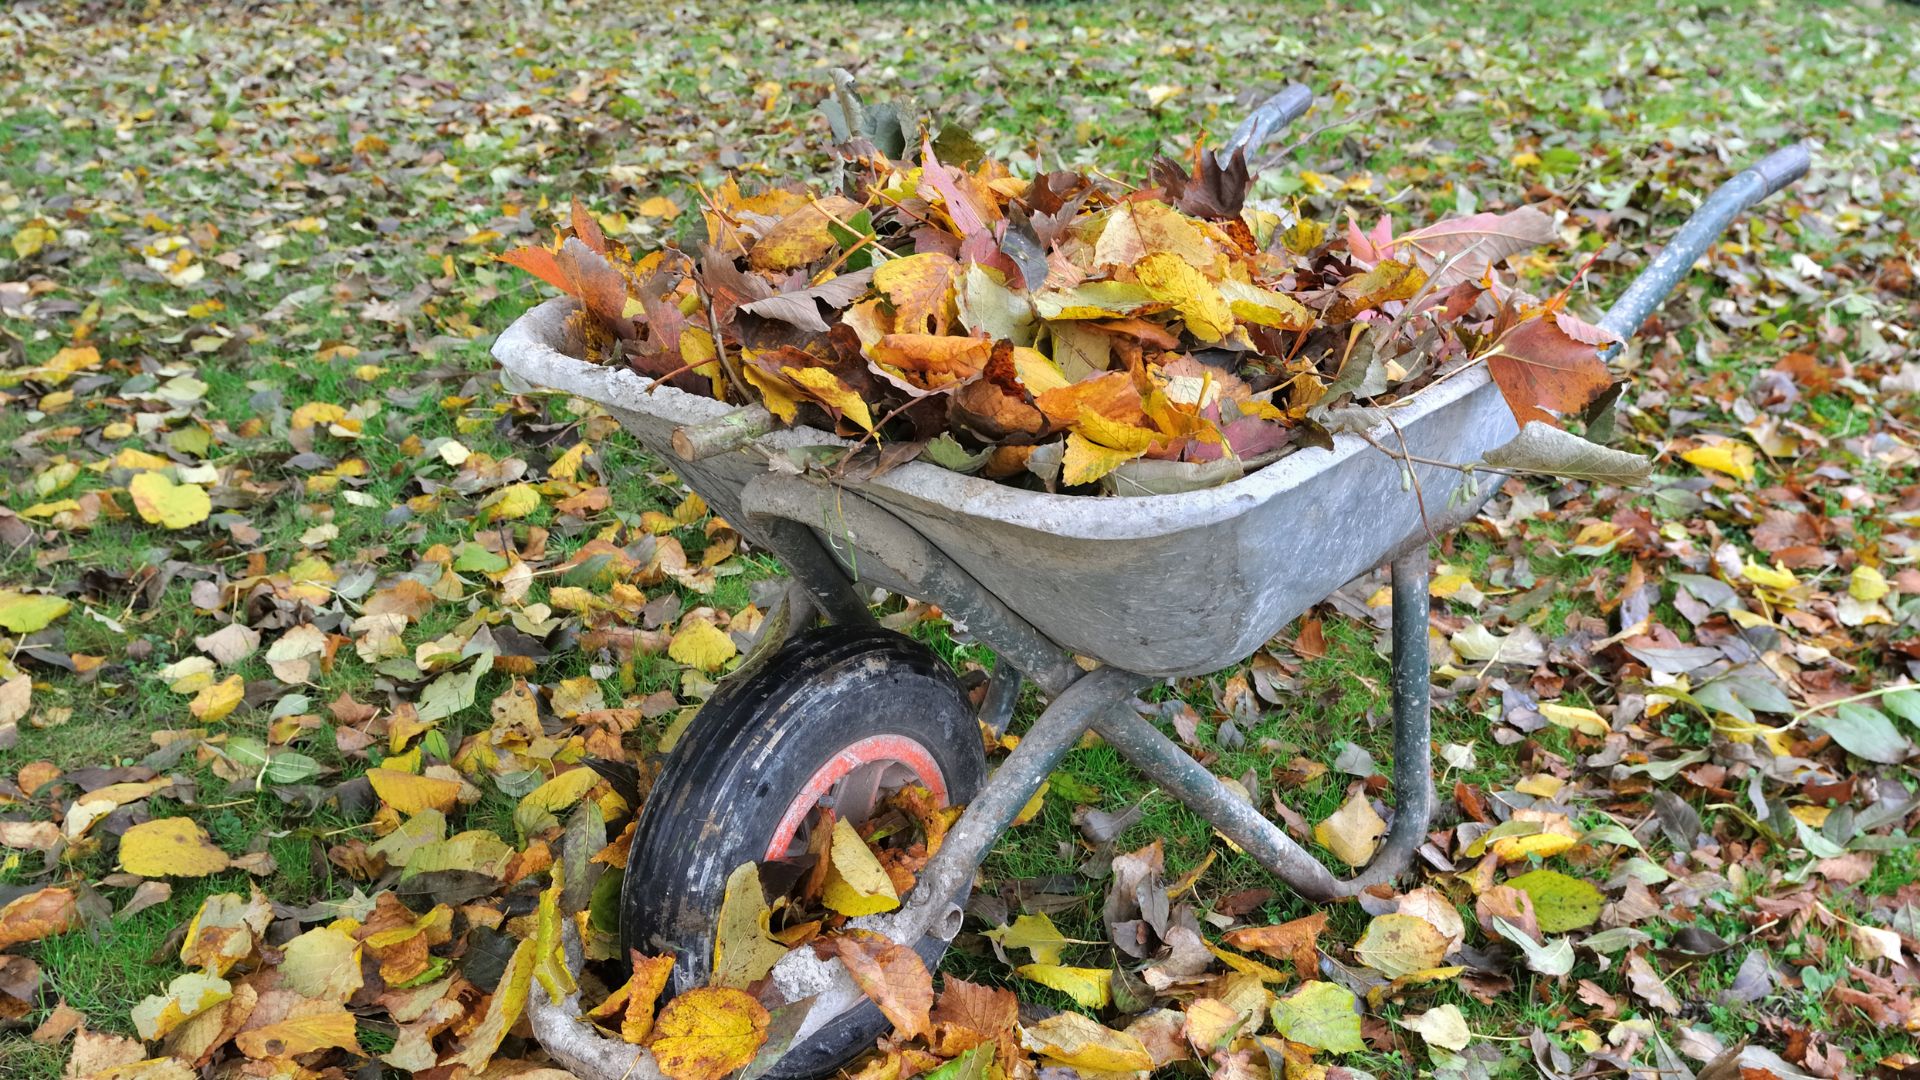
238	129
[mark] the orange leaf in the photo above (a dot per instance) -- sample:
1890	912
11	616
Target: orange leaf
970	1014
1110	394
643	993
1296	941
587	229
923	363
893	977
541	264
598	285
38	915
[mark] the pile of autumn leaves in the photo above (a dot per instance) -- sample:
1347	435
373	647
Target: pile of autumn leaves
1062	332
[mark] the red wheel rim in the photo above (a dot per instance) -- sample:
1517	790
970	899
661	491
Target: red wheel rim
863	765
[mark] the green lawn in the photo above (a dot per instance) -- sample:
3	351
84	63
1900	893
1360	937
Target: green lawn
251	208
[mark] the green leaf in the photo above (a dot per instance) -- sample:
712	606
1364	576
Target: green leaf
1561	902
946	452
1866	733
27	613
281	767
1321	1015
453	691
1905	704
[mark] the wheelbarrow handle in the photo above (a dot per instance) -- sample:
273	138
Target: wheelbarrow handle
1283	108
1758	181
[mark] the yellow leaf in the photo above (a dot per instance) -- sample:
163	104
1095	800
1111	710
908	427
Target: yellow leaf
308	1026
1036	934
1352	831
1583	720
1397	945
170	847
27	613
1075	1041
776	393
1321	1015
701	645
567	465
160	501
920	288
1134	230
1248	965
187	997
322	963
1264	307
504	1007
1777	578
1542	845
742	951
1730	457
1867	584
315	413
540	807
826	388
802	235
657	206
705	1034
856	882
32	237
1037	373
549	956
1172	280
1086	461
214	702
411	794
1091	987
510	503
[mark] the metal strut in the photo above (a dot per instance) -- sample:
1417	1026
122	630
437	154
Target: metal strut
1172	768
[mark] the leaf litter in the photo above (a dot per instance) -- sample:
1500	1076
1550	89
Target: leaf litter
293	589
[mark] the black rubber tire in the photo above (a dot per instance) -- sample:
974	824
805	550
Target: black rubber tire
740	763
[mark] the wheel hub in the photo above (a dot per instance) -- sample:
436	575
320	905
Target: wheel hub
852	783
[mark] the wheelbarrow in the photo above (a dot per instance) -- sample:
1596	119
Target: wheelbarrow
1091	599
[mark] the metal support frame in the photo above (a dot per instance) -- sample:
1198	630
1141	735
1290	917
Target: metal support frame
938	578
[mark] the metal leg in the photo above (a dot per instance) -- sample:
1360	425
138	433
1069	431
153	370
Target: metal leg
794	503
1003	694
813	566
1153	753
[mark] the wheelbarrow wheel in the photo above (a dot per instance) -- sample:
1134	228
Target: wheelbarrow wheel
838	716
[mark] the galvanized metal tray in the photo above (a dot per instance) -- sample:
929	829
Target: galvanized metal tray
1162	585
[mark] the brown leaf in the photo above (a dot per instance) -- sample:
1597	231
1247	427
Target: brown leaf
599	286
969	1014
59	1023
893	977
1647	985
1539	366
